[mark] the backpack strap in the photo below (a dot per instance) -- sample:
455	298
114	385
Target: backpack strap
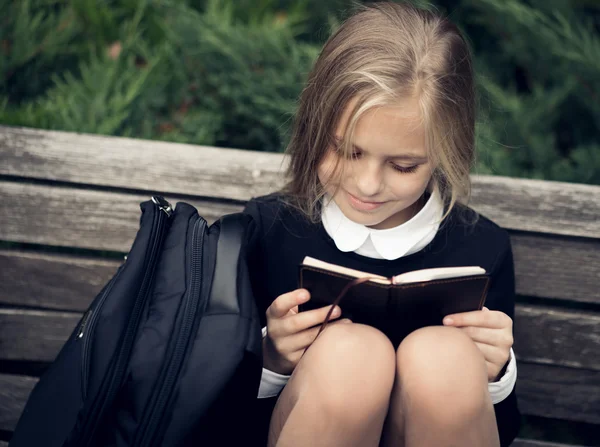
224	292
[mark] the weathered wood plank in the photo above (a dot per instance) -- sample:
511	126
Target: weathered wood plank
558	392
138	164
520	204
556	337
554	267
69	217
547	267
553	392
557	267
539	206
32	335
52	281
559	337
519	442
14	391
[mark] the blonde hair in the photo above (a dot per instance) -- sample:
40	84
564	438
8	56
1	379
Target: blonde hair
384	53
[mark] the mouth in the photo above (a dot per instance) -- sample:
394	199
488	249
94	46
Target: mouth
362	205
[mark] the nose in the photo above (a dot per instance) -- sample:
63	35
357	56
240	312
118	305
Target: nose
369	178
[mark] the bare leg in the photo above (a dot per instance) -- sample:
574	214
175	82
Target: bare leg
339	392
440	397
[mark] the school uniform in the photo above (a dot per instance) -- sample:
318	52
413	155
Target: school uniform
281	236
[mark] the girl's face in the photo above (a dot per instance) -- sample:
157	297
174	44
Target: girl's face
381	184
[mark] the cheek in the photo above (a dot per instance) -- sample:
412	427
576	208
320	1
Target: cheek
411	185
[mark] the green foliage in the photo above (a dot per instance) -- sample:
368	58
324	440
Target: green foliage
547	118
229	72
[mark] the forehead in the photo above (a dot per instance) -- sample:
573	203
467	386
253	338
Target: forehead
391	129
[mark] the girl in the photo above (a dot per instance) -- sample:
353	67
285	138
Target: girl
380	156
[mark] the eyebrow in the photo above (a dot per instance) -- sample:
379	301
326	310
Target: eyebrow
410	156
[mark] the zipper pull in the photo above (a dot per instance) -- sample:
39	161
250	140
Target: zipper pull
83	324
163	205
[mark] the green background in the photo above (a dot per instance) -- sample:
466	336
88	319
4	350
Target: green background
228	73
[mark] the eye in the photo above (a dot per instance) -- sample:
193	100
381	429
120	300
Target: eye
356	154
405	170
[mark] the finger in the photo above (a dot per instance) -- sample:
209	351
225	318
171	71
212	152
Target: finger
286	302
304	320
492	354
490	319
485	308
493	337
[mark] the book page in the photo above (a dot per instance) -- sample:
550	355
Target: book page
437	273
312	262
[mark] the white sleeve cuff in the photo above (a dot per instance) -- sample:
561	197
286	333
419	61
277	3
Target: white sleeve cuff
501	389
271	383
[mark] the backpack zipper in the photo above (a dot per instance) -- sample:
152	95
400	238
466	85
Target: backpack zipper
113	379
167	380
88	323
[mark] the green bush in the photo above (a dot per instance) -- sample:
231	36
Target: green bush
229	72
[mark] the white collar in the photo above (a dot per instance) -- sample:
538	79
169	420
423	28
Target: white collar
393	243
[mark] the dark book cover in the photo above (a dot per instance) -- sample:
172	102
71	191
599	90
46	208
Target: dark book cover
396	309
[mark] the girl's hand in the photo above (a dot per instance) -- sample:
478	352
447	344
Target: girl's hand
290	332
492	333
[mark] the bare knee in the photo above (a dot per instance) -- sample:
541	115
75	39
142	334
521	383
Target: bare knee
442	364
349	370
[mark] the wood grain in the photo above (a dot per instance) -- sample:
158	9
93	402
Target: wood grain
138	164
546	336
539	206
31	335
520	204
14	391
52	281
554	336
68	217
519	442
541	392
562	268
557	267
557	392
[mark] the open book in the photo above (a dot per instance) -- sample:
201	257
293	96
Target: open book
396	305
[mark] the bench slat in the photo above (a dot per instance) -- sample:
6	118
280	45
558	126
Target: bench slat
80	218
142	165
550	266
32	335
52	281
553	337
557	267
545	267
557	337
14	391
520	204
519	442
559	392
540	390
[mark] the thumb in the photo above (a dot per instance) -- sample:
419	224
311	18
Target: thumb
485	308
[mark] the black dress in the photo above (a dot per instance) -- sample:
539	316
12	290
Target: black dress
281	237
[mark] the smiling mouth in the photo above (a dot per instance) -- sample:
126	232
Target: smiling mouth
362	205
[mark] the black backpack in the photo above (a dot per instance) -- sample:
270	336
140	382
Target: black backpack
168	353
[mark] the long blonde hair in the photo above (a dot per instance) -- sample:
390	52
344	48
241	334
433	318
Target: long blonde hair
384	53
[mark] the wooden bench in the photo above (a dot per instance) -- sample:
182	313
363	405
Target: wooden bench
68	199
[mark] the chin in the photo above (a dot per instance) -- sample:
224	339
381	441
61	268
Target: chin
365	218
